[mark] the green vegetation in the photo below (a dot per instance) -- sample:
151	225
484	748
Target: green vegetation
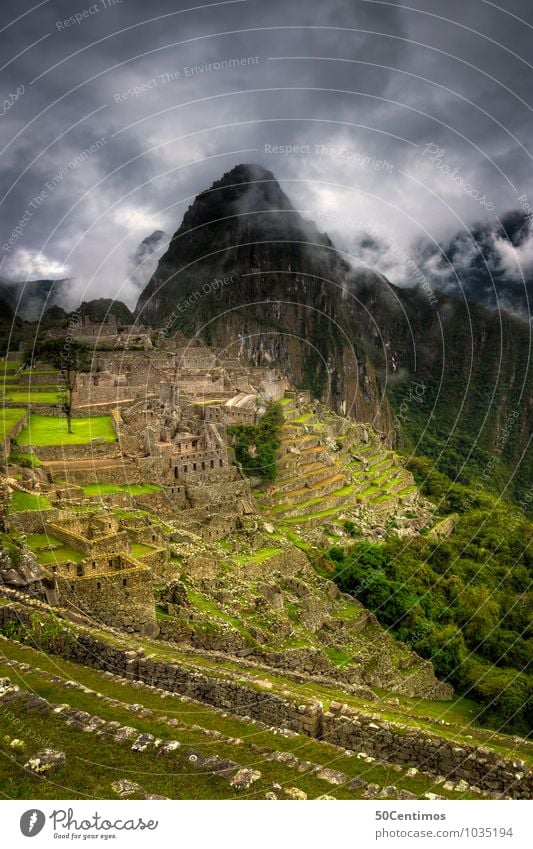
256	445
10	416
139	549
93	489
463	602
459	449
50	430
27	501
31	395
27	461
258	556
47	633
9	366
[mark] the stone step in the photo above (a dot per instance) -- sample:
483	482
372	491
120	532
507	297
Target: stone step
329	502
325	487
313	473
304	441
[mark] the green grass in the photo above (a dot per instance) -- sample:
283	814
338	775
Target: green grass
52	430
203	603
322	514
28	501
95	489
161	614
59	555
31	396
139	549
173	777
19	458
7	366
9	418
38	541
338	656
302	419
258	556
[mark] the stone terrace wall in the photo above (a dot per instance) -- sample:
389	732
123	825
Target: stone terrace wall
480	766
342	726
85	451
5	445
348	728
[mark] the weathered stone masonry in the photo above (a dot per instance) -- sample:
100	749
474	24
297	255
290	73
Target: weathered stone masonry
340	725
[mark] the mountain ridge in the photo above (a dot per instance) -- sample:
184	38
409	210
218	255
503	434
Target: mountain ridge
353	338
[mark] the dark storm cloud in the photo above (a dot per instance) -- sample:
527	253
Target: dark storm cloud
126	110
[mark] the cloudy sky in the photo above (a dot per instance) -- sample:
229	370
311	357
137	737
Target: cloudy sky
389	124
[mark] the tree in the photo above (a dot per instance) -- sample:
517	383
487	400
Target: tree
69	358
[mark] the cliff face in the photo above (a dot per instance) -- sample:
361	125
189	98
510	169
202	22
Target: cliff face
246	271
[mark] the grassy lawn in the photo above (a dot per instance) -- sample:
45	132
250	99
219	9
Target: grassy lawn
323	514
9	365
50	550
52	430
9	419
92	489
59	555
37	541
28	501
22	395
139	549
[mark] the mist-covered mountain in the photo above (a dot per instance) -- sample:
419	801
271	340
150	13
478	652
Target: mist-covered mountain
492	264
245	270
29	300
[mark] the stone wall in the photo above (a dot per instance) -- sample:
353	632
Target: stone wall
479	766
124	599
121	472
86	451
343	726
33	521
105	544
5	445
222	414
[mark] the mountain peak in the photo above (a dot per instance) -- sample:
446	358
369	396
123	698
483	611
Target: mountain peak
246	188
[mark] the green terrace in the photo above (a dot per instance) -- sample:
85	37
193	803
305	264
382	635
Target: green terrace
51	551
9	418
19	395
197	728
28	501
258	556
8	366
453	720
52	430
140	549
92	490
